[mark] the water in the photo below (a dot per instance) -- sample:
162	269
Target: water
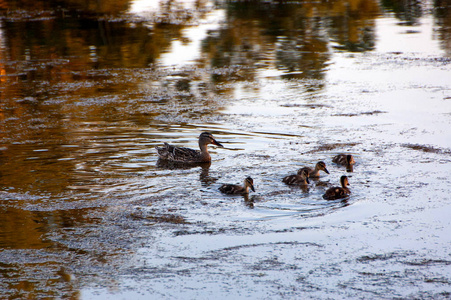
88	91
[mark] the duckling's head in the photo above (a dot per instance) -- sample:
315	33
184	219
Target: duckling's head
350	159
206	138
249	182
344	181
322	166
305	174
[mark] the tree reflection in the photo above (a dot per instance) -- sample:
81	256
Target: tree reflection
351	24
408	12
94	8
60	45
442	14
291	37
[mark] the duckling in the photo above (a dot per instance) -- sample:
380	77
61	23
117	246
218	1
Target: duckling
344	159
336	192
314	173
187	155
235	189
301	178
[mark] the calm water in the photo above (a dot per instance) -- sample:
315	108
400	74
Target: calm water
89	89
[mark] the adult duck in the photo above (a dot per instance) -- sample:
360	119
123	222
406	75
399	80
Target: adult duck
188	155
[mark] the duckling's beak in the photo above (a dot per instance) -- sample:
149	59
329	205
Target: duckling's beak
252	187
325	170
307	180
215	142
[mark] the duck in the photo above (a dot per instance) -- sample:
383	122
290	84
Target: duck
301	178
344	159
187	155
336	192
236	189
314	172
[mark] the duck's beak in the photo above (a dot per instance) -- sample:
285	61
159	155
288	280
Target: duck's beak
325	170
215	142
307	180
252	188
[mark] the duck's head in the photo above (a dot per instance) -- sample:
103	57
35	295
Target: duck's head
305	174
350	159
322	166
249	182
206	138
344	181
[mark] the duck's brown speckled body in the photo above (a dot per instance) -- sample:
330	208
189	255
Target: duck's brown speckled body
336	192
344	159
236	189
187	155
301	178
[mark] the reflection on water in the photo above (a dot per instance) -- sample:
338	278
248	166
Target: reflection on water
204	175
89	88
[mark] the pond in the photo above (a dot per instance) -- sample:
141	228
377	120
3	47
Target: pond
89	89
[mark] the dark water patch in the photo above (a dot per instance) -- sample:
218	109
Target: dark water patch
368	113
196	232
294	229
427	149
161	272
273	135
372	274
430	295
311	106
256	156
411	32
272	264
428	262
444	61
401	59
186	259
207	228
158	218
330	147
440	280
383	257
354	290
291	243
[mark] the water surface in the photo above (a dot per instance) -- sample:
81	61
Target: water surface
88	90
